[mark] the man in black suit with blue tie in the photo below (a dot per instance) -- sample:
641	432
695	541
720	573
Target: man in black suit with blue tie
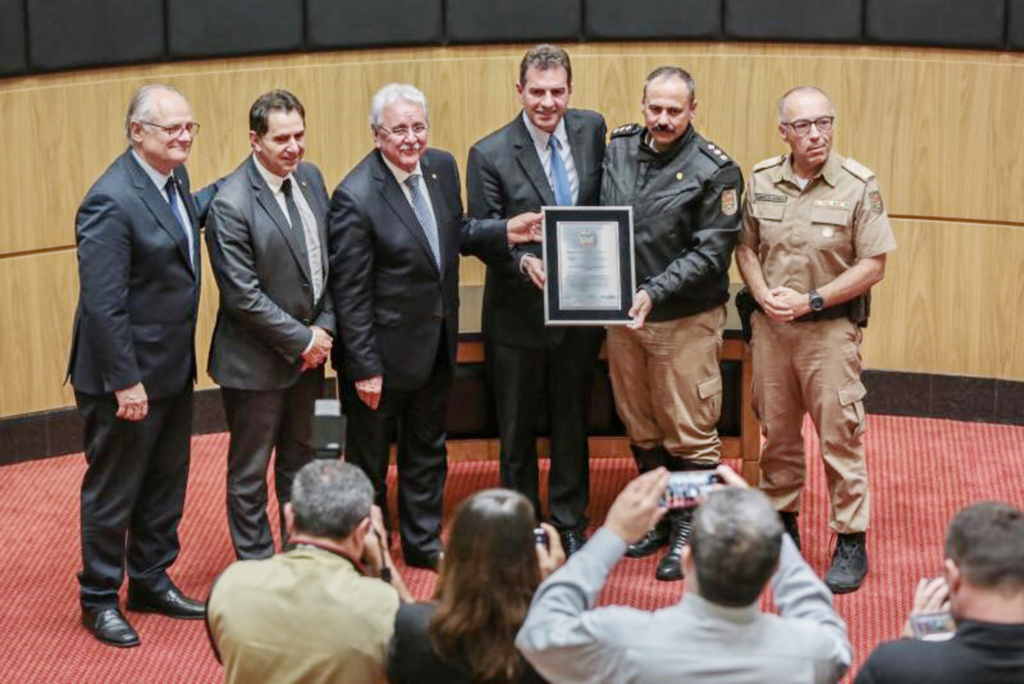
133	365
548	155
267	234
396	228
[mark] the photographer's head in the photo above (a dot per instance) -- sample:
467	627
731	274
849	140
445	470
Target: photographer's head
734	546
984	564
488	577
331	500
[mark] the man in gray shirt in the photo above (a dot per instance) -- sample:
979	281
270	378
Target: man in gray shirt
716	633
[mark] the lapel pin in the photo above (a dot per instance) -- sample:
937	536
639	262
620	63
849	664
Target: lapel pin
679	176
434	176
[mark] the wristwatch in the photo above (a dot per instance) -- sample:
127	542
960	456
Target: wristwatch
817	301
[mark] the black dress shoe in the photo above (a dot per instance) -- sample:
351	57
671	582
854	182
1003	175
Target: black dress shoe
655	538
171	603
849	564
431	561
670	567
572	541
110	627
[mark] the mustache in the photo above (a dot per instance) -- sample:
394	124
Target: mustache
663	128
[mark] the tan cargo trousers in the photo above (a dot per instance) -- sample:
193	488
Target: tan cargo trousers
668	386
811	367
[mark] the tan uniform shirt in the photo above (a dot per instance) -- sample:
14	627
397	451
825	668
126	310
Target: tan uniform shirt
807	238
303	616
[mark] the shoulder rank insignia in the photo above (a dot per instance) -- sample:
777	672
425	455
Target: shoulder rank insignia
627	129
716	153
769	163
858	170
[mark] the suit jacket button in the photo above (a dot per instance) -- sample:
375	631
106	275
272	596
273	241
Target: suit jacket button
438	317
305	321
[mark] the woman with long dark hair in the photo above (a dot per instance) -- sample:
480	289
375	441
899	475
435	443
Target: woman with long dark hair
491	568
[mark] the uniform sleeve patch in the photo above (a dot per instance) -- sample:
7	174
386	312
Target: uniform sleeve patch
773	199
730	202
875	197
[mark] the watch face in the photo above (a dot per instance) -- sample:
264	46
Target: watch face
817	303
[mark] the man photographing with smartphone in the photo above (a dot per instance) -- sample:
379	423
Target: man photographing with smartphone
738	544
982	588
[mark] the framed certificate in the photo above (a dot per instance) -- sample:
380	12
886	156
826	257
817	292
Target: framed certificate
588	256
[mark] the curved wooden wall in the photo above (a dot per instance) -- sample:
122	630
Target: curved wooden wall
940	127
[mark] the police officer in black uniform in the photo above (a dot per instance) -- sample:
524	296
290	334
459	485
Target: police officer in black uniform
685	193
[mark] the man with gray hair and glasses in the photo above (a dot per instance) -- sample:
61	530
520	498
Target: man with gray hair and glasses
325	610
133	364
716	632
395	230
814	240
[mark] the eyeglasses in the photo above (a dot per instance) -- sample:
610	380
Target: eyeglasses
176	130
402	131
802	128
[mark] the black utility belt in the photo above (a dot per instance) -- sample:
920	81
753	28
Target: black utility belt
828	314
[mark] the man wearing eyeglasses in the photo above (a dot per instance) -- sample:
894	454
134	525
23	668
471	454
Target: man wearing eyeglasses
267	236
396	228
815	238
133	365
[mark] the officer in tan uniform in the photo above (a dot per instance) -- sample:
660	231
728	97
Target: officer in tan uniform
814	240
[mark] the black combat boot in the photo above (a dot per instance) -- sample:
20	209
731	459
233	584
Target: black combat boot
680	523
789	522
849	564
656	537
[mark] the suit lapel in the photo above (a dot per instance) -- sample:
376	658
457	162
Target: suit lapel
526	155
395	198
156	202
294	238
574	131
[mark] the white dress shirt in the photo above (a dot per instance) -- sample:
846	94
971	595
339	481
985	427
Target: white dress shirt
160	181
541	141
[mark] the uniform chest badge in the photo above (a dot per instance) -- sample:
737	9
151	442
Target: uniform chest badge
730	202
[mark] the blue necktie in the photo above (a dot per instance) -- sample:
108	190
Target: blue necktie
559	176
425	216
172	192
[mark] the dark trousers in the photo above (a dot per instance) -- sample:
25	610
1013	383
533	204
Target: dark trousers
133	493
260	421
418	419
561	378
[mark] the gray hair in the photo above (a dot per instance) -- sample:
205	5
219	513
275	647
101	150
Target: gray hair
736	541
802	90
396	92
673	72
140	108
330	498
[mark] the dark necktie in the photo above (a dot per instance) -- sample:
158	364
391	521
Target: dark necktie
293	208
172	192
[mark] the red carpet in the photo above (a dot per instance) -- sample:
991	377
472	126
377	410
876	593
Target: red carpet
922	472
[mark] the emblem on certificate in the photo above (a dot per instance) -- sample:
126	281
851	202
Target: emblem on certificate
588	255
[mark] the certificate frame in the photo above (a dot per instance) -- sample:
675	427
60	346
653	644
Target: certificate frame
590	265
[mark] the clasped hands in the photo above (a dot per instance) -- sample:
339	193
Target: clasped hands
784	304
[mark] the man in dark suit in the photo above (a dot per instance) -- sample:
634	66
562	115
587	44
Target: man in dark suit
133	365
267	235
396	228
548	155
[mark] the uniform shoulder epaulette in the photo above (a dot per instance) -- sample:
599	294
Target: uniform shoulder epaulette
716	153
627	129
858	169
770	162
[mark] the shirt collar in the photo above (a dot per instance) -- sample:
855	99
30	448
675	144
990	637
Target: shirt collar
541	138
159	179
273	180
829	172
400	174
701	606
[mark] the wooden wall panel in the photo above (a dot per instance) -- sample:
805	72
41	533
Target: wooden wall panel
938	126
